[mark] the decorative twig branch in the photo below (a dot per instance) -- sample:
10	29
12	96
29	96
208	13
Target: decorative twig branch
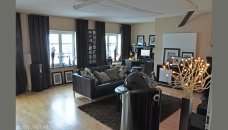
191	74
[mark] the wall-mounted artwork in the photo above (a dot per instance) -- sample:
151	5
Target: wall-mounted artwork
151	39
169	53
187	54
140	40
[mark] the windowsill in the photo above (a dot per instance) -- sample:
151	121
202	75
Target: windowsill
56	67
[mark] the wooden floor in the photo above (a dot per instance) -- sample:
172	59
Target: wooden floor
56	109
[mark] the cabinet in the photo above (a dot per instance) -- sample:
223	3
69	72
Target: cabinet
92	47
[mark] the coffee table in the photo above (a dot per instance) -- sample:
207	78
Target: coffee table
119	91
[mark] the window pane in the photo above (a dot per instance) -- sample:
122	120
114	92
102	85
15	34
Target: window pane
54	46
54	38
67	38
112	39
67	48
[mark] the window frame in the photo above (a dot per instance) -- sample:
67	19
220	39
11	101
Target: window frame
60	33
117	40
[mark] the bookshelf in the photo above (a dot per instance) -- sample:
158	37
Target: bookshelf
92	47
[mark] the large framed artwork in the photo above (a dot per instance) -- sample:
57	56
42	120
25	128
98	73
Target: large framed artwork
57	78
187	54
140	40
169	53
151	39
68	76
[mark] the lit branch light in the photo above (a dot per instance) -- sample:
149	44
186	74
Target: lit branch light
191	74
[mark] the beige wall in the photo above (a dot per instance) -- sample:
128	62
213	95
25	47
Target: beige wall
91	24
201	24
145	29
112	27
61	23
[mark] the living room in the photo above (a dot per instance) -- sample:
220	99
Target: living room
62	106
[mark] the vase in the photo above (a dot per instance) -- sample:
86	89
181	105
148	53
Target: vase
186	110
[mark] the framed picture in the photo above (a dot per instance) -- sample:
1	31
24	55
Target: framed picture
68	76
169	53
151	39
187	54
57	78
140	40
176	60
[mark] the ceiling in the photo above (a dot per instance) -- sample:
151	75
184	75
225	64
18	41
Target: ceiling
119	11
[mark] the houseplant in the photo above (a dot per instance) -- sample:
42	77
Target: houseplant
191	75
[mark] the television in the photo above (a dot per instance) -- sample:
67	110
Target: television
145	53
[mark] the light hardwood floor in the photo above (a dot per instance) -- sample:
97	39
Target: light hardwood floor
56	109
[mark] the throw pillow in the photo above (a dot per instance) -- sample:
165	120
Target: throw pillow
87	69
101	76
88	74
122	71
113	73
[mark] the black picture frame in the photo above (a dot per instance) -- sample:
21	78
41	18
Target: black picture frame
140	40
169	53
68	76
57	78
187	54
151	39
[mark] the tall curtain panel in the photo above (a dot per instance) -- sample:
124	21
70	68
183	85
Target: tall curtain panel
100	43
82	43
39	44
21	77
125	41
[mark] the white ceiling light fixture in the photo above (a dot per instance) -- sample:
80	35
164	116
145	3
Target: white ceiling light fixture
83	3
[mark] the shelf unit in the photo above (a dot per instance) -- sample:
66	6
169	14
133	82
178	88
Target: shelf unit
137	50
92	47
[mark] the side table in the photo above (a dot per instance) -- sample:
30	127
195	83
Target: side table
119	91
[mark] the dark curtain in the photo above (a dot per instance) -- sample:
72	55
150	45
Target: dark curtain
39	44
125	41
82	43
100	43
21	77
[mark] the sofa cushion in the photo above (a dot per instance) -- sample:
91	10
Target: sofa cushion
94	69
113	73
108	87
122	70
103	68
101	76
88	74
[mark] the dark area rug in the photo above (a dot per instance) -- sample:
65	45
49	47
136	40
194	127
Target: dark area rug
105	110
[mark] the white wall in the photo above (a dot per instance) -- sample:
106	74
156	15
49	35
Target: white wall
186	42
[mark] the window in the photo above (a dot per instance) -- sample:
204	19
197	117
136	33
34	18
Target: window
62	48
113	46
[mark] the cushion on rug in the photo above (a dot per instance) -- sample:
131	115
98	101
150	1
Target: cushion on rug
101	76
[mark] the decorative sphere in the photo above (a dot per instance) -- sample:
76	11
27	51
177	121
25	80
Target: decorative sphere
137	80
